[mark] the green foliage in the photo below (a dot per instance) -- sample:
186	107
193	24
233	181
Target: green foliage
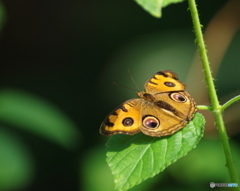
151	6
15	163
154	7
169	2
37	116
207	157
97	175
133	159
94	161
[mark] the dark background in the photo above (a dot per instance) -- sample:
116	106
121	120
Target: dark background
69	53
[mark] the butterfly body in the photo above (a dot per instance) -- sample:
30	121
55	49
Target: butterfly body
162	108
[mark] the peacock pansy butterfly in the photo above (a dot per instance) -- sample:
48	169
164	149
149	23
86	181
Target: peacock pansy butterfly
163	108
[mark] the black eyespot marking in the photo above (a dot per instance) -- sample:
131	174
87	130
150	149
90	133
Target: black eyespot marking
150	122
128	121
178	97
169	84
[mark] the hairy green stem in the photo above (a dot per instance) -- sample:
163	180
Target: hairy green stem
231	101
216	107
204	107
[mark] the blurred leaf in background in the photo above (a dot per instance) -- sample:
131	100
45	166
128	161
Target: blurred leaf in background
37	116
96	175
34	115
154	7
16	163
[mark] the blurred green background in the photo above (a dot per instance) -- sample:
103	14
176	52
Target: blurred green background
58	62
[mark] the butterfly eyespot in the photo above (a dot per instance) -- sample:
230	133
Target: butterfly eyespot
169	84
127	121
178	97
150	122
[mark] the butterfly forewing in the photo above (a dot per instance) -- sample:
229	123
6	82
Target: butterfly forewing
164	81
125	119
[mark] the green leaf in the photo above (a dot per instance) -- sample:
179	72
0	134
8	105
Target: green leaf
38	116
133	159
94	173
154	7
169	2
16	164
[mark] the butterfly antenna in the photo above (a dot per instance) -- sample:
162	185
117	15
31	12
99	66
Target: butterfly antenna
129	73
115	83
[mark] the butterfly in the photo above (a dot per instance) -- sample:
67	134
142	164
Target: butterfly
163	108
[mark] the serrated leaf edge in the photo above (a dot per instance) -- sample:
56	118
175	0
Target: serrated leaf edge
139	180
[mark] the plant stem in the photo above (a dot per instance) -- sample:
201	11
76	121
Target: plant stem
204	107
216	107
231	101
